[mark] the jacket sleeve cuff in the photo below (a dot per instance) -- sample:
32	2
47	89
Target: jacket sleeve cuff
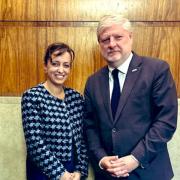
100	163
139	154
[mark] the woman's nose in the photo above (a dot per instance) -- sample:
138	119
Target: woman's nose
60	69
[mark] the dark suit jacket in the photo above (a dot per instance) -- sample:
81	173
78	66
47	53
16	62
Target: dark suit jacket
145	120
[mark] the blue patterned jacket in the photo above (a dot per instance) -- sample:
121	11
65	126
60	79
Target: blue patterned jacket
51	127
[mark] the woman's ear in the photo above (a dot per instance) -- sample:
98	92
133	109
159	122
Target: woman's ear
45	68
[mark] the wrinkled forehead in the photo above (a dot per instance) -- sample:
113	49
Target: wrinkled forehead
114	29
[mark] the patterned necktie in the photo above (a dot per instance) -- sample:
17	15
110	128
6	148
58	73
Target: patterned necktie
115	93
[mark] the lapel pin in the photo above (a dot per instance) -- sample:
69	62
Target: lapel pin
134	70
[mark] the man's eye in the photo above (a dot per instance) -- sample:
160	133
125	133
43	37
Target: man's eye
118	37
105	40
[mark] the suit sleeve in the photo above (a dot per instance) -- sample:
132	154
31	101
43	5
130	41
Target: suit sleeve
91	125
164	103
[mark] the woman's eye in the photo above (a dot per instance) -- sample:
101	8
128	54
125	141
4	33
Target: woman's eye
54	63
67	65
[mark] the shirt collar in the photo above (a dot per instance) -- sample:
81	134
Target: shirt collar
123	68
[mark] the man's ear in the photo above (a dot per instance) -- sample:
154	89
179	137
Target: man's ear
131	35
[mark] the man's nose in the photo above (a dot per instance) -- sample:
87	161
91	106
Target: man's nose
112	41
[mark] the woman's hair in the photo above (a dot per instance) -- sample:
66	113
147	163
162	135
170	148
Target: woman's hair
109	20
57	49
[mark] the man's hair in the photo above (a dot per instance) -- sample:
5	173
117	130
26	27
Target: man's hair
57	49
109	20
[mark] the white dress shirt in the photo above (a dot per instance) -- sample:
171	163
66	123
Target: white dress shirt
123	68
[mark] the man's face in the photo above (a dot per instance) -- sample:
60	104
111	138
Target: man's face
115	44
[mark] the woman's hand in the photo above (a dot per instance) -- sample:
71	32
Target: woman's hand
77	176
67	176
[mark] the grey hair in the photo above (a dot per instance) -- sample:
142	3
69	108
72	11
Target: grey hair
109	20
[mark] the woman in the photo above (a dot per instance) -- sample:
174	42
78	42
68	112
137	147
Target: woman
53	122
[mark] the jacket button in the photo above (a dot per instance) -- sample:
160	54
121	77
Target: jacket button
114	130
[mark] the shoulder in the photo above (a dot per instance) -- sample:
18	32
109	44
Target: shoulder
74	98
73	93
158	66
150	60
155	68
34	92
152	63
99	73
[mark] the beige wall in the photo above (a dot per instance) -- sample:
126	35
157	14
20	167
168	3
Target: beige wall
12	145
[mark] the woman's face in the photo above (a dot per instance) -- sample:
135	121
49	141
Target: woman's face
58	69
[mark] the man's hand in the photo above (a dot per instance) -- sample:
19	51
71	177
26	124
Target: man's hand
123	166
105	162
110	164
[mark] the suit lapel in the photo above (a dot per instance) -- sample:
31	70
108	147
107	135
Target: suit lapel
130	81
104	85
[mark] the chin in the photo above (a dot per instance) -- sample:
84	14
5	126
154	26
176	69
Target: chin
59	83
113	60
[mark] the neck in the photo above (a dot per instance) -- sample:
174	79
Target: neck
56	91
116	64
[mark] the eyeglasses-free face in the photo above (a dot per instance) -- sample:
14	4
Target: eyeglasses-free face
58	69
115	44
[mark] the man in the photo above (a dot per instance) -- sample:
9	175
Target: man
131	115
